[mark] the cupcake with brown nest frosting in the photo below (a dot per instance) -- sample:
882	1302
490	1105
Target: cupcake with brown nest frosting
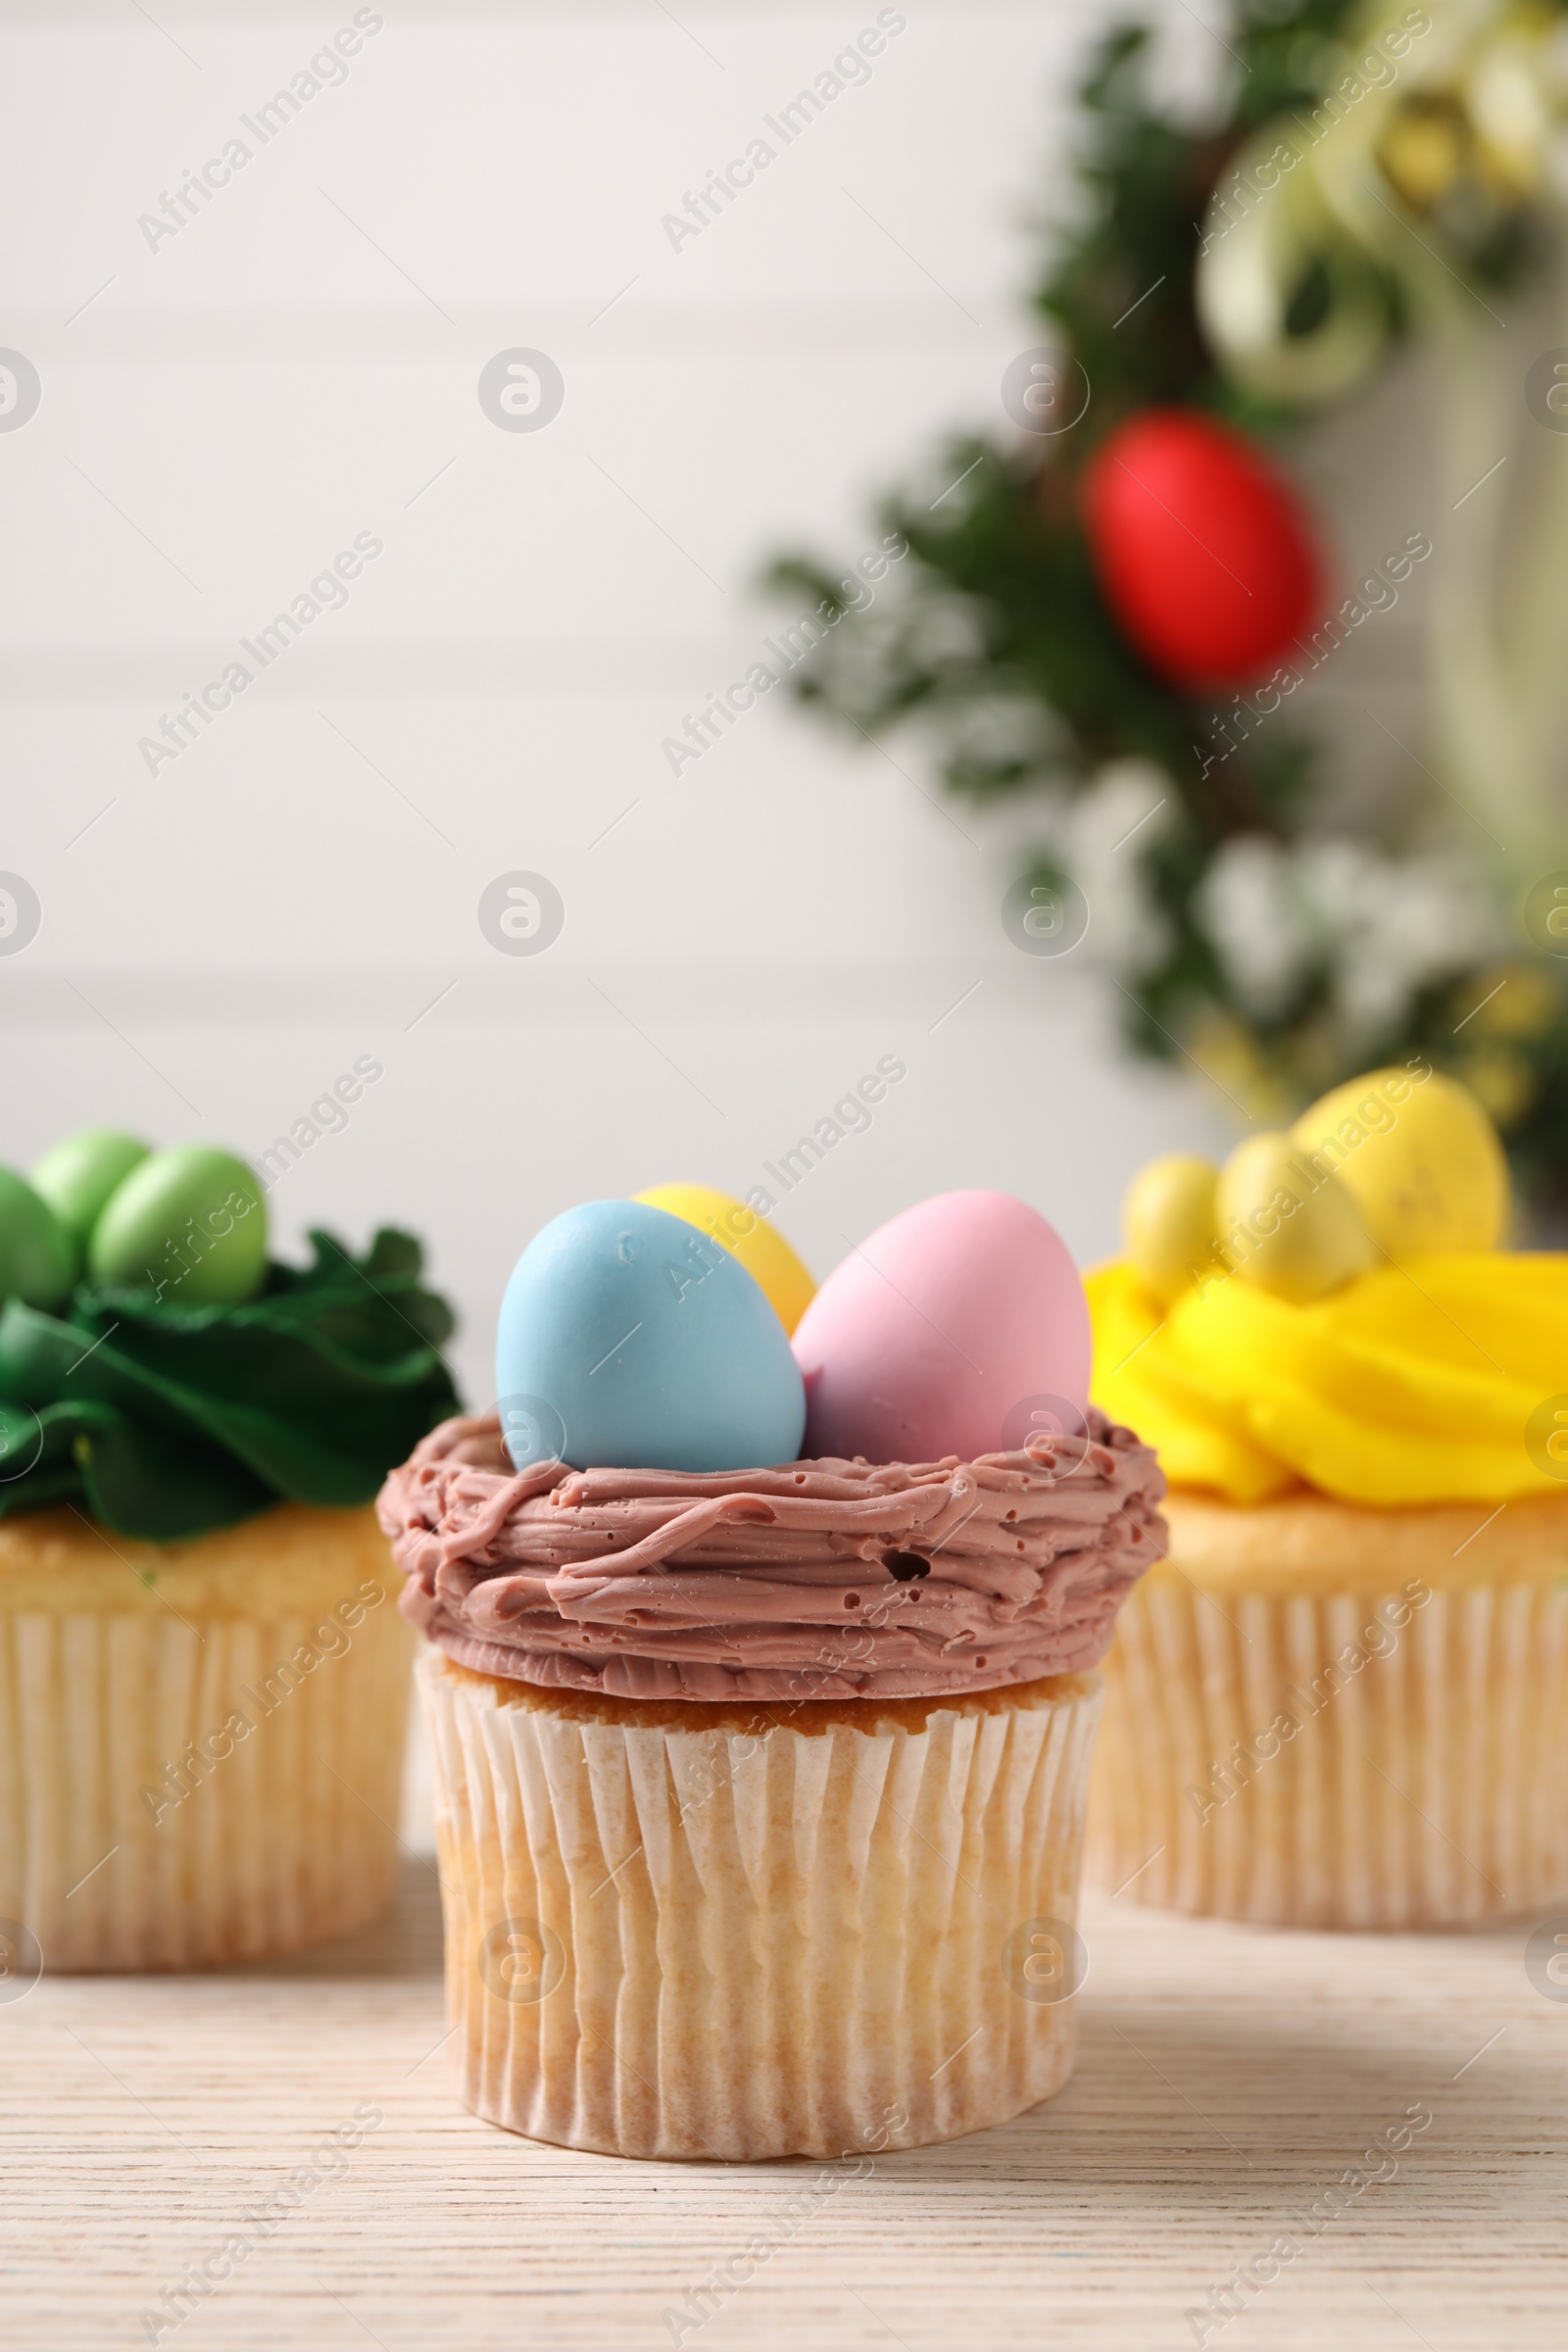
760	1790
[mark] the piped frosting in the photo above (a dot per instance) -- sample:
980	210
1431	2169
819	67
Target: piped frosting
811	1580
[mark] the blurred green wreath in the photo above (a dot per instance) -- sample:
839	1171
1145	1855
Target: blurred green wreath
1369	177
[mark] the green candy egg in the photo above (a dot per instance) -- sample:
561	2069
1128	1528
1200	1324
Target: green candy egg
38	1260
191	1221
77	1177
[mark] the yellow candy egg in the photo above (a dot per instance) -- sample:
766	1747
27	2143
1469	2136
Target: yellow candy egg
1285	1226
764	1253
1167	1223
1418	1155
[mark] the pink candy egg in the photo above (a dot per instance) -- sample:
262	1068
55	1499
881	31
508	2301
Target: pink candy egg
960	1327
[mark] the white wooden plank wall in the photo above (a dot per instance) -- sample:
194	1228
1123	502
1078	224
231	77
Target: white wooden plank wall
223	412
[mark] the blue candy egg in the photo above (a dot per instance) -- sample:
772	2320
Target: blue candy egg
627	1340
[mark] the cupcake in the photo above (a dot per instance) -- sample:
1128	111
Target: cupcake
761	1685
204	1681
1343	1699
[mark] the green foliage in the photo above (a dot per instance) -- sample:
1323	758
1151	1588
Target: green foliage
1143	183
163	1422
1004	608
999	641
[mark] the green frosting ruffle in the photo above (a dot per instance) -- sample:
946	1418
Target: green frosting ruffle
165	1422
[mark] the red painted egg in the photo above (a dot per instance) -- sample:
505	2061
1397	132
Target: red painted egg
1205	555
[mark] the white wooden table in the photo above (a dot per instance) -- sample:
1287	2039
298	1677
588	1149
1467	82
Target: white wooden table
1226	2076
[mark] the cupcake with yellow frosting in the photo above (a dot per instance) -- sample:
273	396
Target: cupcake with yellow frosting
1343	1699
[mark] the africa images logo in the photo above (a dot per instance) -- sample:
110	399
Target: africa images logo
326	70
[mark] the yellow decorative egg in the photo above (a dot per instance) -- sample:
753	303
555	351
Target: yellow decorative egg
1286	1227
1418	1155
764	1253
1167	1222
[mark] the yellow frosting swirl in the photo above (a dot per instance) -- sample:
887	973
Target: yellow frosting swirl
1412	1383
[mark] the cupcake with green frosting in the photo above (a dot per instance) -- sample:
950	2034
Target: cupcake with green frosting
203	1689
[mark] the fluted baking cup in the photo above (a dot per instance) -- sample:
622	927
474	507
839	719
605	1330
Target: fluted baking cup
200	1746
1360	1758
685	1930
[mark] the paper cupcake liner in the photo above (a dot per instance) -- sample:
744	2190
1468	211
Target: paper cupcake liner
178	1794
1259	1761
804	1939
